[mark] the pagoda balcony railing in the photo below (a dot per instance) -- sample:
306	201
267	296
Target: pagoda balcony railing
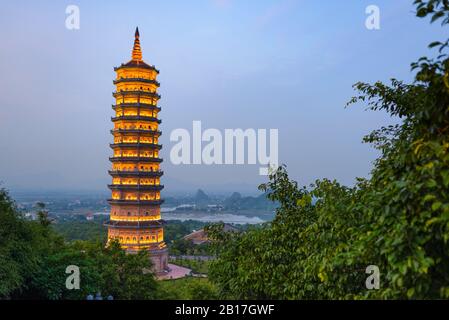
142	118
117	94
139	245
143	187
136	173
135	224
134	159
154	247
136	202
144	131
135	144
151	81
146	106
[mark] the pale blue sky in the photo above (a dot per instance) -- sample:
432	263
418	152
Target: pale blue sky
231	64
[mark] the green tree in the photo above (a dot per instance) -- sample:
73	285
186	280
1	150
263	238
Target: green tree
42	214
128	276
16	252
323	237
186	289
34	258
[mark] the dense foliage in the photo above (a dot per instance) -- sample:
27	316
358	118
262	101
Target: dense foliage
189	288
187	247
34	258
76	229
397	220
197	264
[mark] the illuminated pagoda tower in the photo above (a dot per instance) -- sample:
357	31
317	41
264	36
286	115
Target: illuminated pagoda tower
135	218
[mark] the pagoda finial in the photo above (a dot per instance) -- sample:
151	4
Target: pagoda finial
137	53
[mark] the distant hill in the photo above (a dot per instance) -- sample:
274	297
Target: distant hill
237	202
201	196
202	201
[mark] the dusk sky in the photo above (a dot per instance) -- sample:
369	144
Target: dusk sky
287	65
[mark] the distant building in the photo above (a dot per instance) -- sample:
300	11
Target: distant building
31	216
200	236
197	237
90	216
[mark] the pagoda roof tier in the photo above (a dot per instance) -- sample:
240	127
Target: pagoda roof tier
135	224
151	81
135	159
136	64
138	131
136	92
118	173
142	118
131	187
152	248
136	202
135	145
148	106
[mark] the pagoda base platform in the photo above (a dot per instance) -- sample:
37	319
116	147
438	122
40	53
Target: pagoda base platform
175	272
159	258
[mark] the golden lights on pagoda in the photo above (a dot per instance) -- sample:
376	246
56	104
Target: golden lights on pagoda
135	219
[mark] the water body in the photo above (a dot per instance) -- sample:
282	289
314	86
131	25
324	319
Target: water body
206	217
215	217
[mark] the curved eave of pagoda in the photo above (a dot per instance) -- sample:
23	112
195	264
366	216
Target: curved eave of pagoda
143	174
145	106
132	64
135	224
136	145
137	202
126	187
135	159
143	80
117	94
160	247
153	133
138	118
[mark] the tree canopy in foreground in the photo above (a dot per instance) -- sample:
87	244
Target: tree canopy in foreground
324	237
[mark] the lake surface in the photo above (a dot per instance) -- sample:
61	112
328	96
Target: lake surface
212	217
207	217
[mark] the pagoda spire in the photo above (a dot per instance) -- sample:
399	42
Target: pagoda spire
137	53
